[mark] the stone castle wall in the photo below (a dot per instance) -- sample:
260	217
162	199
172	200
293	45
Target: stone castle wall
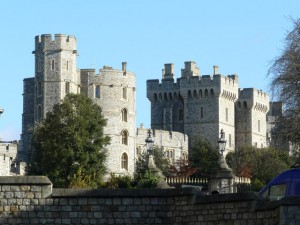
31	200
174	144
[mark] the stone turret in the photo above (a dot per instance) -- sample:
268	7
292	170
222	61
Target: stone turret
251	109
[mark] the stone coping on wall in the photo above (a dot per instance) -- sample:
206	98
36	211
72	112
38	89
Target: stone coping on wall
145	192
28	180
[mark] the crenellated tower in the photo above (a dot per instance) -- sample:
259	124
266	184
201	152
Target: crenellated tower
195	105
55	71
251	125
115	92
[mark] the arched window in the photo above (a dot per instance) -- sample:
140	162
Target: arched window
245	105
206	92
200	93
160	97
189	93
124	161
124	135
195	94
165	96
212	92
155	97
67	87
124	115
138	151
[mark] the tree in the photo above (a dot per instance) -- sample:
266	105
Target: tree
69	145
261	165
285	84
182	168
204	157
160	160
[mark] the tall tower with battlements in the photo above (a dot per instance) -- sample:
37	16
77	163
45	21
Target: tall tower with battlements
251	110
199	106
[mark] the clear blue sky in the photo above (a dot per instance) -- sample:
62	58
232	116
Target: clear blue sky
239	36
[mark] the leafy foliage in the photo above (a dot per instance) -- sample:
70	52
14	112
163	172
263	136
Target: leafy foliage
261	165
285	85
204	157
182	168
69	145
160	161
120	182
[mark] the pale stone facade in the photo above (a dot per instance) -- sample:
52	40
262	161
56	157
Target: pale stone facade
200	106
174	144
56	74
9	164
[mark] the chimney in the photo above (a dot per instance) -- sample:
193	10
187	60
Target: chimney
216	70
124	64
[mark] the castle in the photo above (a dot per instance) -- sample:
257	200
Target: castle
203	105
56	75
181	111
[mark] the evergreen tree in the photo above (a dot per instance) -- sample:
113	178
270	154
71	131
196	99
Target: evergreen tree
204	157
69	145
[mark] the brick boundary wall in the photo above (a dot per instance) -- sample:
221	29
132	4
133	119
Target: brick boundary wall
31	200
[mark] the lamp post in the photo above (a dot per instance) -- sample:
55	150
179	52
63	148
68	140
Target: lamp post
151	164
149	144
222	148
1	111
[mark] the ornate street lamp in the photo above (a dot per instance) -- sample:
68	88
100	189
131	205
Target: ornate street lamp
222	148
151	165
222	142
149	144
1	111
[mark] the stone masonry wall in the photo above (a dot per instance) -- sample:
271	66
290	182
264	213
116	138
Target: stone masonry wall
31	200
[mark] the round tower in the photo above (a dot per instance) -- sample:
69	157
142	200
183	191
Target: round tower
55	71
114	91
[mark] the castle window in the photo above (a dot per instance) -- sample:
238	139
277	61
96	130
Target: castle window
160	97
226	112
124	161
52	64
39	113
124	115
124	93
212	92
245	105
170	96
206	92
97	91
67	64
39	88
78	89
239	105
200	93
165	96
201	112
39	64
195	94
189	94
138	151
180	114
67	87
258	125
124	135
155	97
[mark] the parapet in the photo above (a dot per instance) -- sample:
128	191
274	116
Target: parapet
46	41
252	97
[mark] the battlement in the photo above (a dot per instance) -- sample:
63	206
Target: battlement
60	41
251	97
